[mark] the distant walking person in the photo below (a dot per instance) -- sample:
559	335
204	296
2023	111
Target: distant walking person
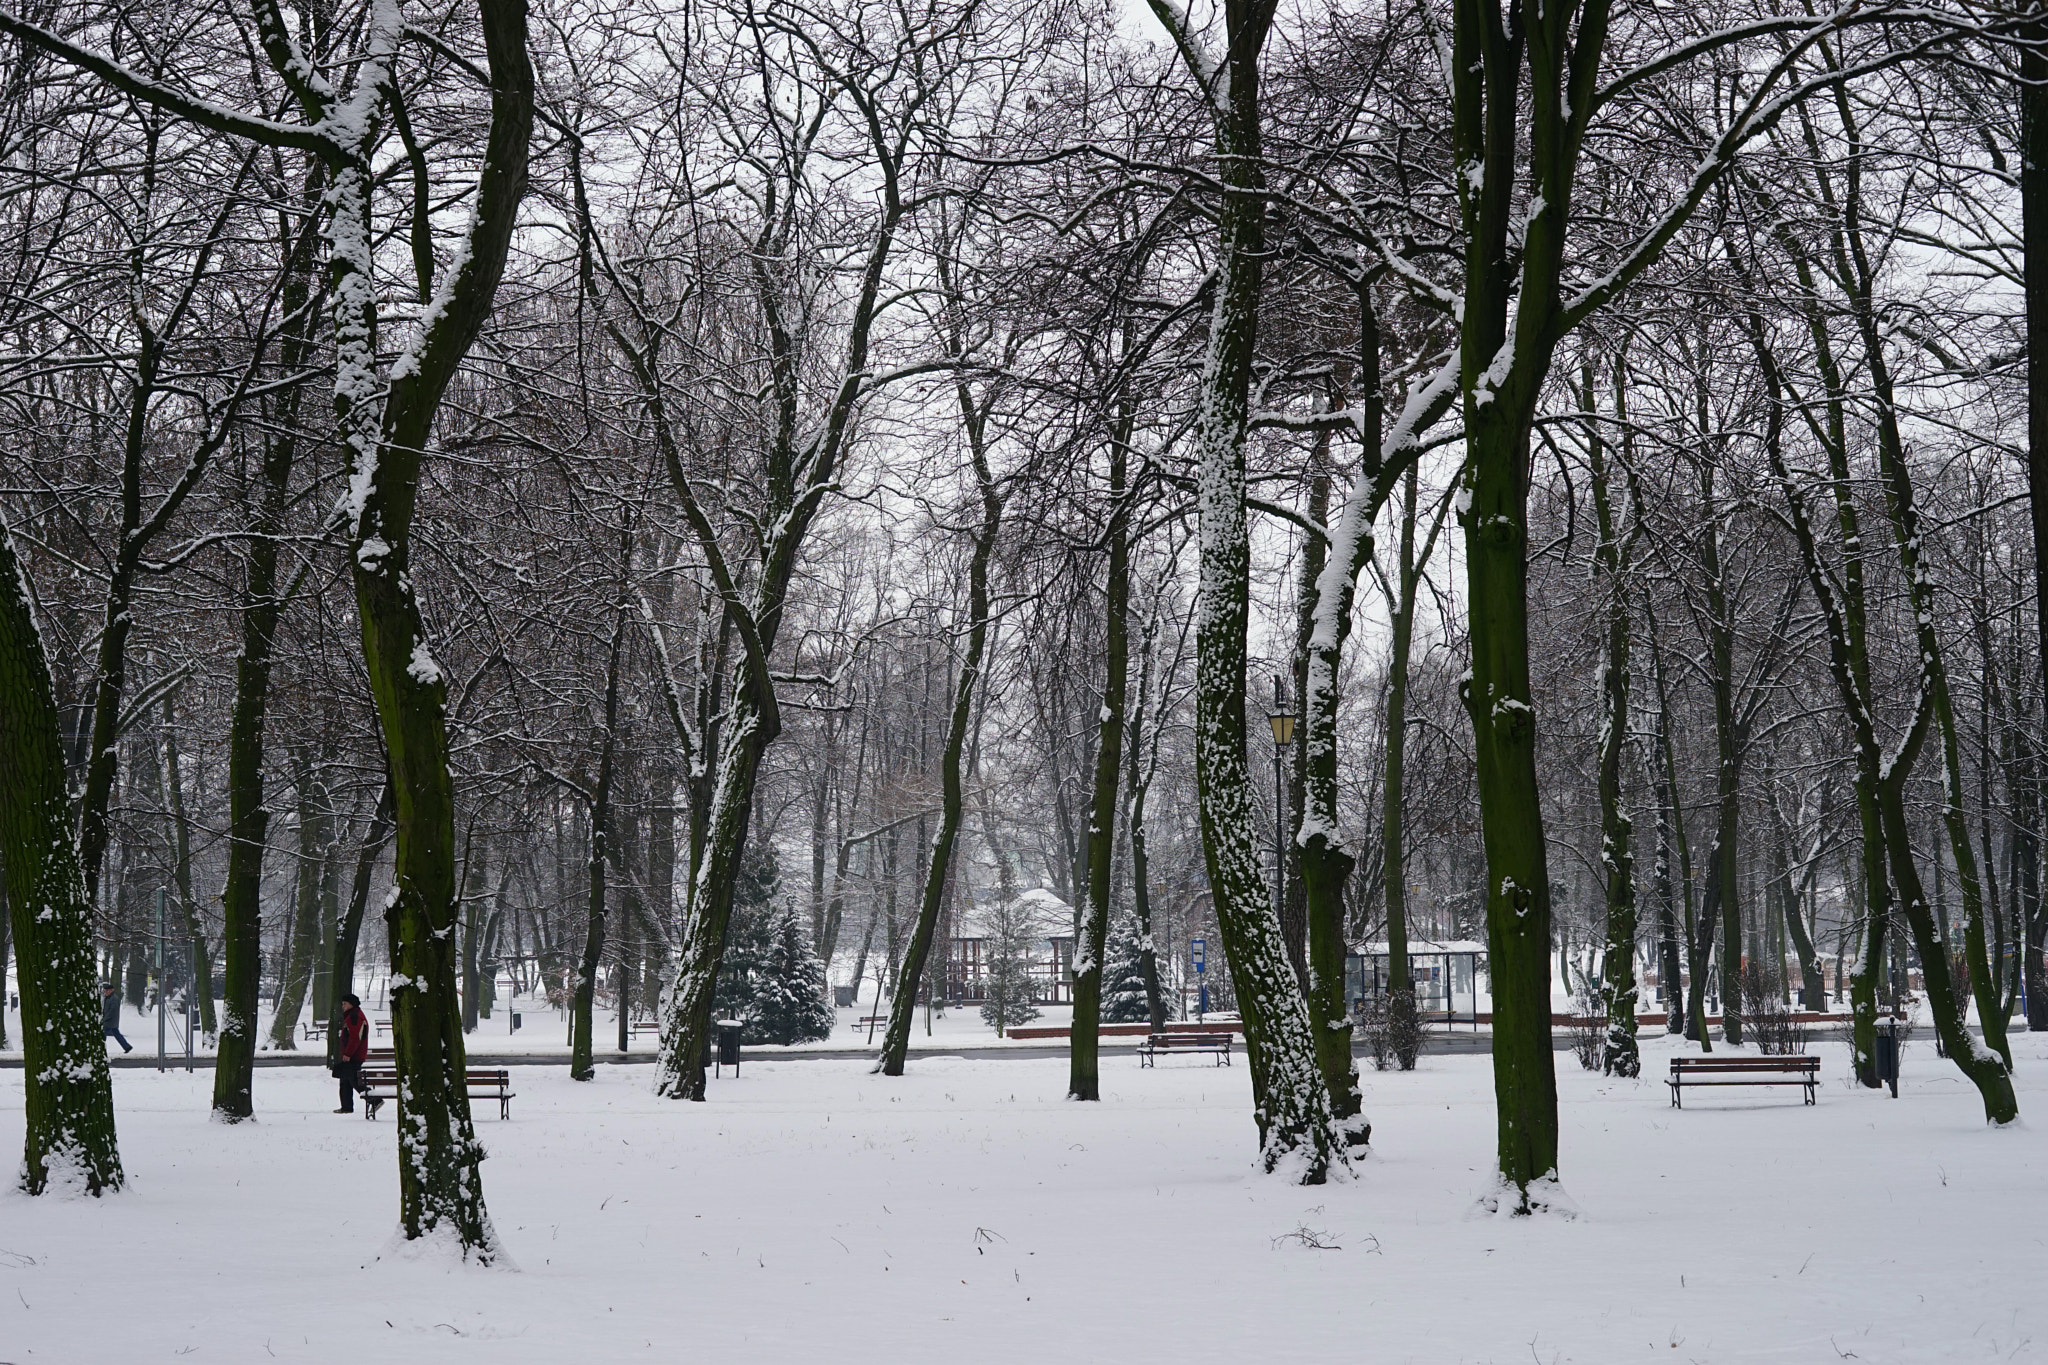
110	1015
354	1050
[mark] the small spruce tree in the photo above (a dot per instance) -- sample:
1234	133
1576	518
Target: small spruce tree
789	994
1011	934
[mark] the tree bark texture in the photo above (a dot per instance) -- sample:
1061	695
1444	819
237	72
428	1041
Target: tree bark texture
67	1091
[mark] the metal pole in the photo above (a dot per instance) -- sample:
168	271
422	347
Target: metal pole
192	997
159	979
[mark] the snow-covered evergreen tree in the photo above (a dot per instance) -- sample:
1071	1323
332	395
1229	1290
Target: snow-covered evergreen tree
1123	982
749	936
789	993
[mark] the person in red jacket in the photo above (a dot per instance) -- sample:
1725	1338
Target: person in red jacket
354	1050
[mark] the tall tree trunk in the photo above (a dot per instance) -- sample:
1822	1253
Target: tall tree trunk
2033	101
181	853
1291	1101
1321	906
1670	831
297	973
1083	1082
471	916
330	914
68	1099
387	427
582	1039
248	831
1619	1054
1722	902
1139	786
348	932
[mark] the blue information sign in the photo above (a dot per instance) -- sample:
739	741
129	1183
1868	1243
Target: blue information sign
1201	947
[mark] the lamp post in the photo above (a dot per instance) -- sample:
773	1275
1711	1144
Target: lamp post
1283	735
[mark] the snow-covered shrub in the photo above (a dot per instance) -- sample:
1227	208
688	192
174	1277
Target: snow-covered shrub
1587	1030
1767	1020
1392	1037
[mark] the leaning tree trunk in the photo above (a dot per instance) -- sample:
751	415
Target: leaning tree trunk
1990	1075
68	1108
1843	611
896	1043
1983	1067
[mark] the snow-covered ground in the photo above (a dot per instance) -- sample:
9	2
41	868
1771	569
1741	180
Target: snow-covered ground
965	1212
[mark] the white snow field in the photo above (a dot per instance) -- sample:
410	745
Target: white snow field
965	1212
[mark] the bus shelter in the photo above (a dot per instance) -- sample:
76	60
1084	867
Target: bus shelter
1445	977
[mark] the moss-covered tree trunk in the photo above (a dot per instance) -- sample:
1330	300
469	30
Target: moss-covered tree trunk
440	1185
1990	1073
68	1101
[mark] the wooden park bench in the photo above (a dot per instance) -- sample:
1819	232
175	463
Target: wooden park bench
1156	1043
870	1021
640	1027
380	1083
312	1032
1801	1071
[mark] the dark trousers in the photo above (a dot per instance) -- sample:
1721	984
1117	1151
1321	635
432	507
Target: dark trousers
114	1032
350	1074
